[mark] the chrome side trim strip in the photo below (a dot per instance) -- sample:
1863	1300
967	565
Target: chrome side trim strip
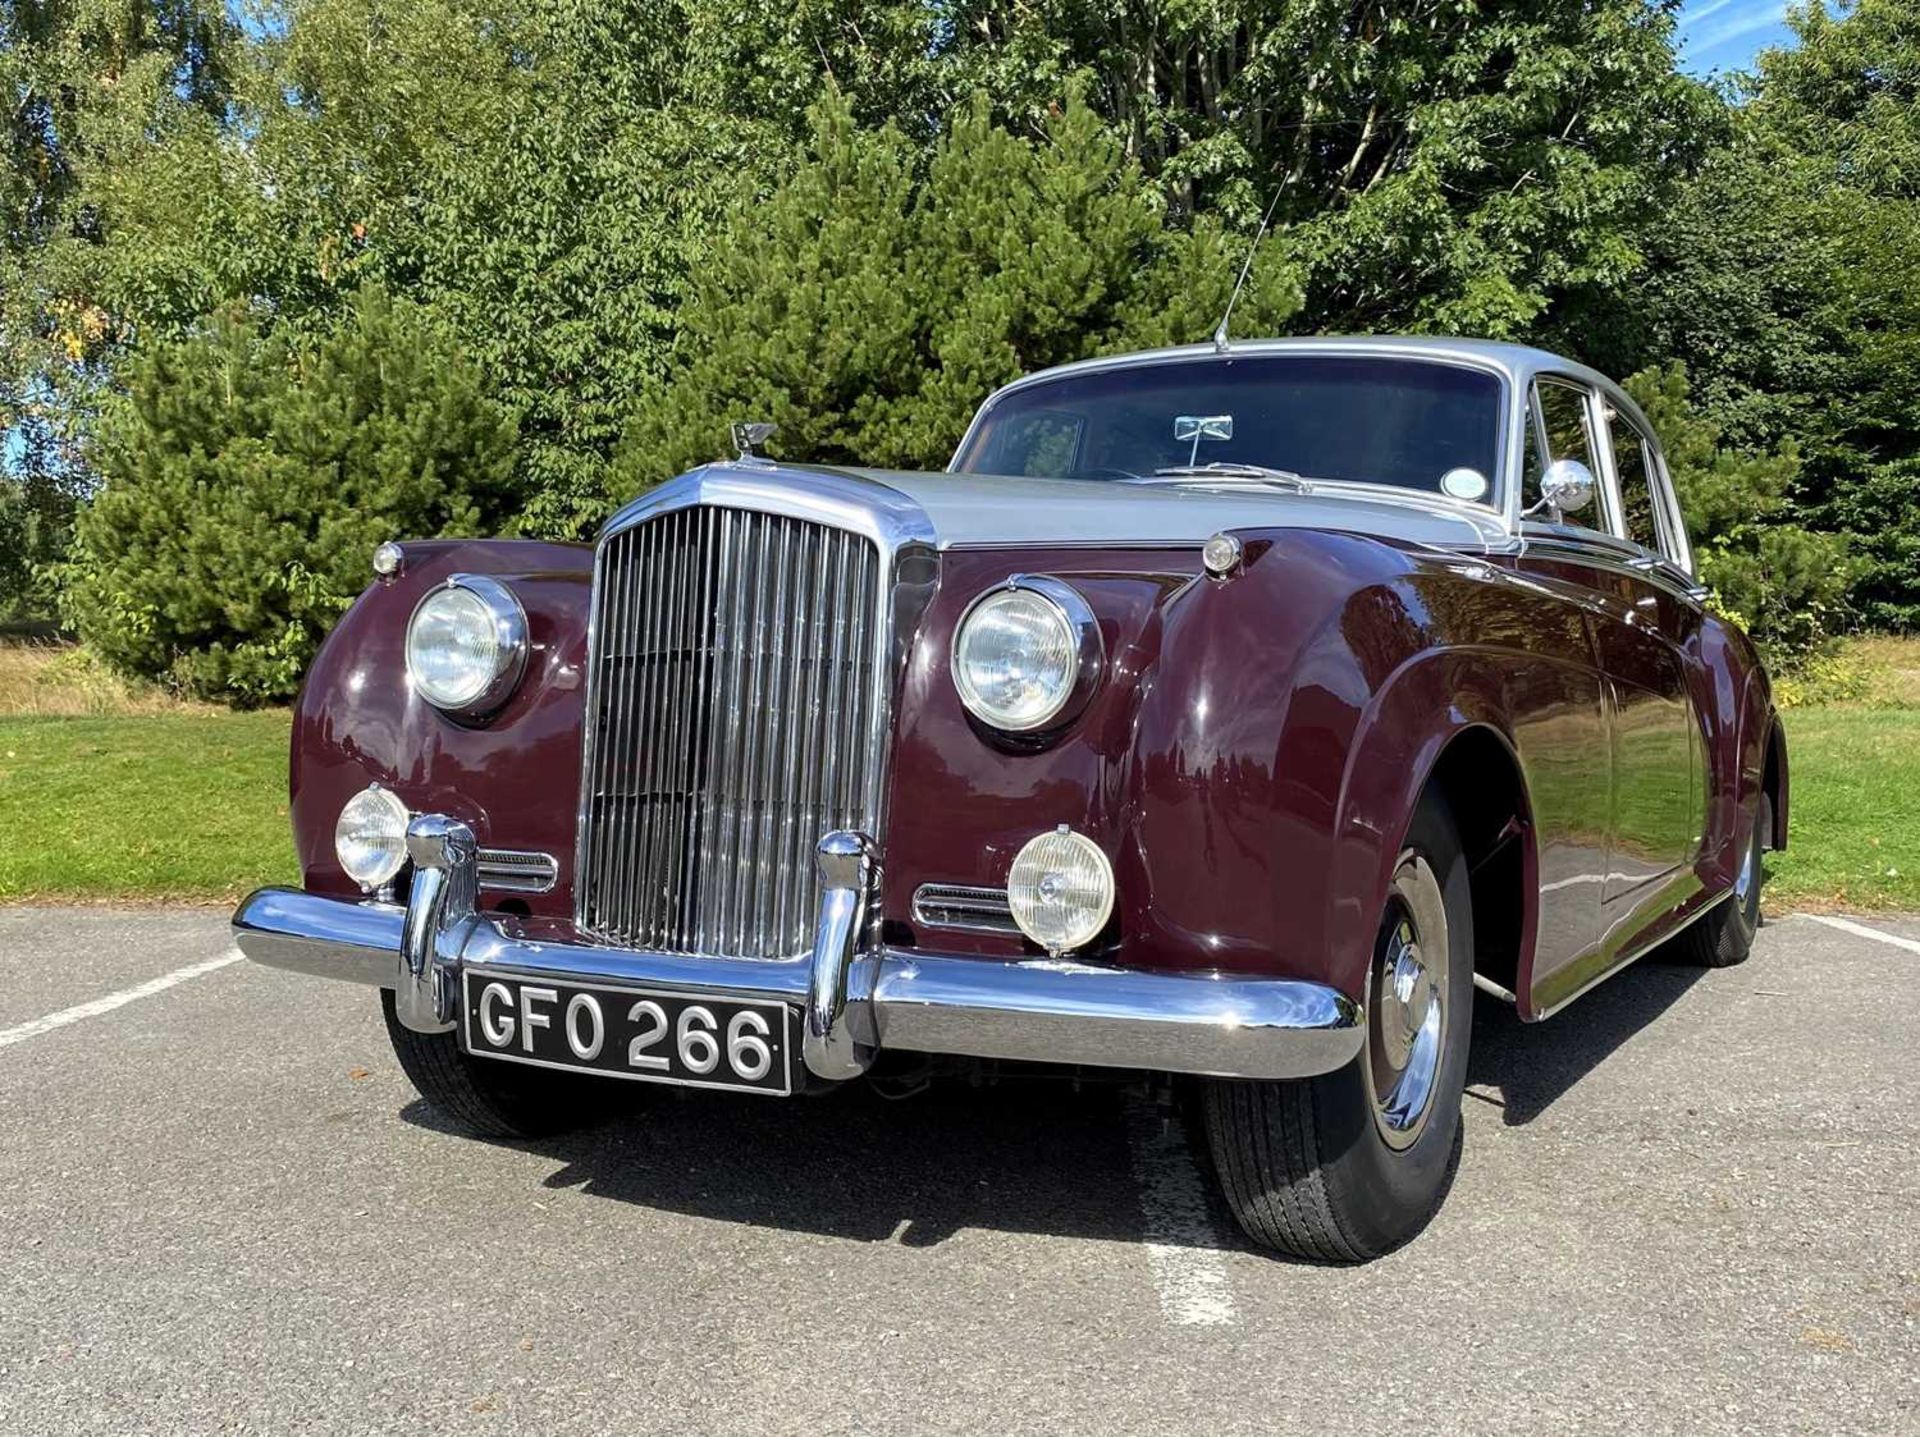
1628	957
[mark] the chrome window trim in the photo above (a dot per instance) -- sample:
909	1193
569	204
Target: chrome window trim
1659	487
1681	546
1518	364
1605	497
1612	554
896	525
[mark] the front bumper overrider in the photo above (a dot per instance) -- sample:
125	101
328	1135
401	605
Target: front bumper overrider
855	996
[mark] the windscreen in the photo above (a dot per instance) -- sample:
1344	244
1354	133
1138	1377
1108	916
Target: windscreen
1366	420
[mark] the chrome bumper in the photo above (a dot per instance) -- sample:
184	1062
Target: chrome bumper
856	998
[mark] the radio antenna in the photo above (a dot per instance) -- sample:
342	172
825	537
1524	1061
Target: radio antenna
1220	334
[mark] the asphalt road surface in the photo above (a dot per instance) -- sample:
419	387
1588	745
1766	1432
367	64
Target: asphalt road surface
1690	1204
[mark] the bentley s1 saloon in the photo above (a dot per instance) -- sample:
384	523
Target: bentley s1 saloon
1225	715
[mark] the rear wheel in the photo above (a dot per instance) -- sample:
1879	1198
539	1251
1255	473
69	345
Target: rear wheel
1724	936
486	1097
1349	1165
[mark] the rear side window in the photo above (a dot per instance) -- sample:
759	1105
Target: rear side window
1634	470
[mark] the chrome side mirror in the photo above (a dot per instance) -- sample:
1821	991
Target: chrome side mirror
1565	488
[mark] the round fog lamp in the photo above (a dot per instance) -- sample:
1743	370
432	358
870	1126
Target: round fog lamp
370	840
1061	890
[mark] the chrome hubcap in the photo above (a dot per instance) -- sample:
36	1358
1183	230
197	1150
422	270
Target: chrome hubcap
1749	867
1407	1015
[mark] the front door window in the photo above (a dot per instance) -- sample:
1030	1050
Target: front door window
1565	420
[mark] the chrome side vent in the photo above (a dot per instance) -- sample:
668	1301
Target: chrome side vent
953	905
736	713
512	870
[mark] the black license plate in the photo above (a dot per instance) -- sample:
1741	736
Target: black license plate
649	1035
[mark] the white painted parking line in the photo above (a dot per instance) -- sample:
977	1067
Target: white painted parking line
1860	930
10	1036
1188	1269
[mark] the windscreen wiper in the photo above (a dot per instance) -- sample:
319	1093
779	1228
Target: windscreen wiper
1220	469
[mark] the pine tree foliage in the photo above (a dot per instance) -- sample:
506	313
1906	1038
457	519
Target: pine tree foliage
869	304
1845	106
1784	583
249	478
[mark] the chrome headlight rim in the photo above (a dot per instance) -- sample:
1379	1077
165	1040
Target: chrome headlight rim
1076	615
509	619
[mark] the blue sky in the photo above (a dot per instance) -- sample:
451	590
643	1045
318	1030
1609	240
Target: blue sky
1726	34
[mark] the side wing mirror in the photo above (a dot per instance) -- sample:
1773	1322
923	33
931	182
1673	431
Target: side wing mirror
1565	488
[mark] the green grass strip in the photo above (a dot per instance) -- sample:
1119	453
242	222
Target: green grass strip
174	806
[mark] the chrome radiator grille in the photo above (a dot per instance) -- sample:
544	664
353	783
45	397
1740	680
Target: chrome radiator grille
735	700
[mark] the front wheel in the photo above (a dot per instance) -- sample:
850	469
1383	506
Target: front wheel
1349	1165
486	1097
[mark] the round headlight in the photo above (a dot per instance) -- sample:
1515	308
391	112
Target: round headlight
467	644
370	840
1061	890
1023	651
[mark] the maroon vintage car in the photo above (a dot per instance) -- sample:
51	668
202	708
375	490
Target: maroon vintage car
1228	713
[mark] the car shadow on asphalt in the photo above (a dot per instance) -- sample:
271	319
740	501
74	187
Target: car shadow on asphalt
1524	1068
1024	1155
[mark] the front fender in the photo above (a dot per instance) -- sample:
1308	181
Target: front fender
514	779
1290	723
1271	822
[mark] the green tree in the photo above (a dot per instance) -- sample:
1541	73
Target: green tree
68	69
1483	169
1783	278
547	175
1785	584
248	479
1845	103
534	173
876	297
